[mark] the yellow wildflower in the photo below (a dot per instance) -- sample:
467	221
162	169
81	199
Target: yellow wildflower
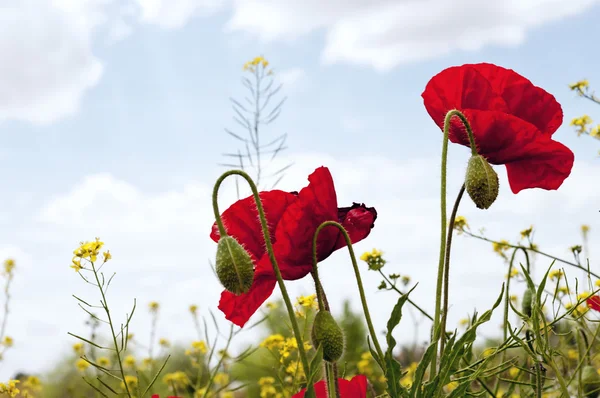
460	224
307	301
153	306
595	131
273	341
583	296
164	342
271	305
563	290
488	352
82	364
501	247
580	85
198	347
374	259
129	361
33	383
514	272
76	265
581	123
10	388
452	386
106	255
178	379
78	348
227	394
221	379
8	341
9	265
526	233
556	274
132	382
514	372
89	250
572	354
585	229
104	362
464	322
193	309
513	298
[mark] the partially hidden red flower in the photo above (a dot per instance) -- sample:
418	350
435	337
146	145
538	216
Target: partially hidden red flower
355	388
594	303
292	219
512	121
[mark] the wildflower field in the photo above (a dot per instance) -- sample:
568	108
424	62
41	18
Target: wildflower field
549	341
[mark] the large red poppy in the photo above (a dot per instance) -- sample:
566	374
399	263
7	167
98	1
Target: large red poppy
512	121
293	219
355	388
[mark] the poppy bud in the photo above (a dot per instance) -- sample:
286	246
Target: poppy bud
590	381
234	266
527	299
481	182
326	332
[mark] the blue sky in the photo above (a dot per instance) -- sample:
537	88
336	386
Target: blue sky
132	155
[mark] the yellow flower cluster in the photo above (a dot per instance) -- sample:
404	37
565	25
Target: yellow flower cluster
251	65
132	382
581	124
197	350
10	388
267	388
82	364
580	86
32	383
407	380
460	224
8	341
177	380
556	274
153	306
374	259
273	341
9	266
129	361
501	247
88	251
164	342
304	304
526	233
193	309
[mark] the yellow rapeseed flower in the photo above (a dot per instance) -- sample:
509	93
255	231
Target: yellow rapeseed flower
89	250
179	379
164	342
9	265
106	255
193	309
32	383
460	224
8	341
581	123
132	382
221	379
572	354
585	229
451	386
526	232
10	388
104	362
514	372
307	301
501	247
556	274
198	348
129	361
271	305
78	348
273	341
580	85
153	306
76	264
82	364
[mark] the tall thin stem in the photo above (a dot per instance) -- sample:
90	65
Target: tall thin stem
359	283
436	332
447	267
269	245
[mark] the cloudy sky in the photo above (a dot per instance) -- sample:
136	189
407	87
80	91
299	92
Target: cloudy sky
112	117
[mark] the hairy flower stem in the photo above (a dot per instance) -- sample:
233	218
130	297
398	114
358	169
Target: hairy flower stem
265	230
330	369
437	332
359	283
112	331
447	267
393	287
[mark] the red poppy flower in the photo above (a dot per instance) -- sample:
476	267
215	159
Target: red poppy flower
355	388
594	303
512	121
293	219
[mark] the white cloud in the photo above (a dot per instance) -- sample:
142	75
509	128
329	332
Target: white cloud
387	33
173	14
293	79
161	248
47	62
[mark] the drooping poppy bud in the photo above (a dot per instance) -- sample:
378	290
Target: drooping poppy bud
527	302
590	380
481	182
326	332
234	266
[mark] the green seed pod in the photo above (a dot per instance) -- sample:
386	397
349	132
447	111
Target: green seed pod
481	182
590	380
326	332
234	266
527	302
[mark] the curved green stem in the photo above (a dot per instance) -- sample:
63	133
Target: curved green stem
440	277
447	267
359	283
269	245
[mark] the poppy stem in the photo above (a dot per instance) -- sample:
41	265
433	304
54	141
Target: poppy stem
321	297
358	281
437	332
269	245
447	267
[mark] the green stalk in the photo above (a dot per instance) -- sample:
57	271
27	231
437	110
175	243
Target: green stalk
269	245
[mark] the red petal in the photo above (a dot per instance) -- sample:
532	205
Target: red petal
315	204
358	220
239	309
355	388
594	303
547	165
524	100
241	220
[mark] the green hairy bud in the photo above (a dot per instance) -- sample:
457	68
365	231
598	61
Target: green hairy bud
481	182
235	269
326	332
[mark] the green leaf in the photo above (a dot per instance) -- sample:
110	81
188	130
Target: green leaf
315	366
422	368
